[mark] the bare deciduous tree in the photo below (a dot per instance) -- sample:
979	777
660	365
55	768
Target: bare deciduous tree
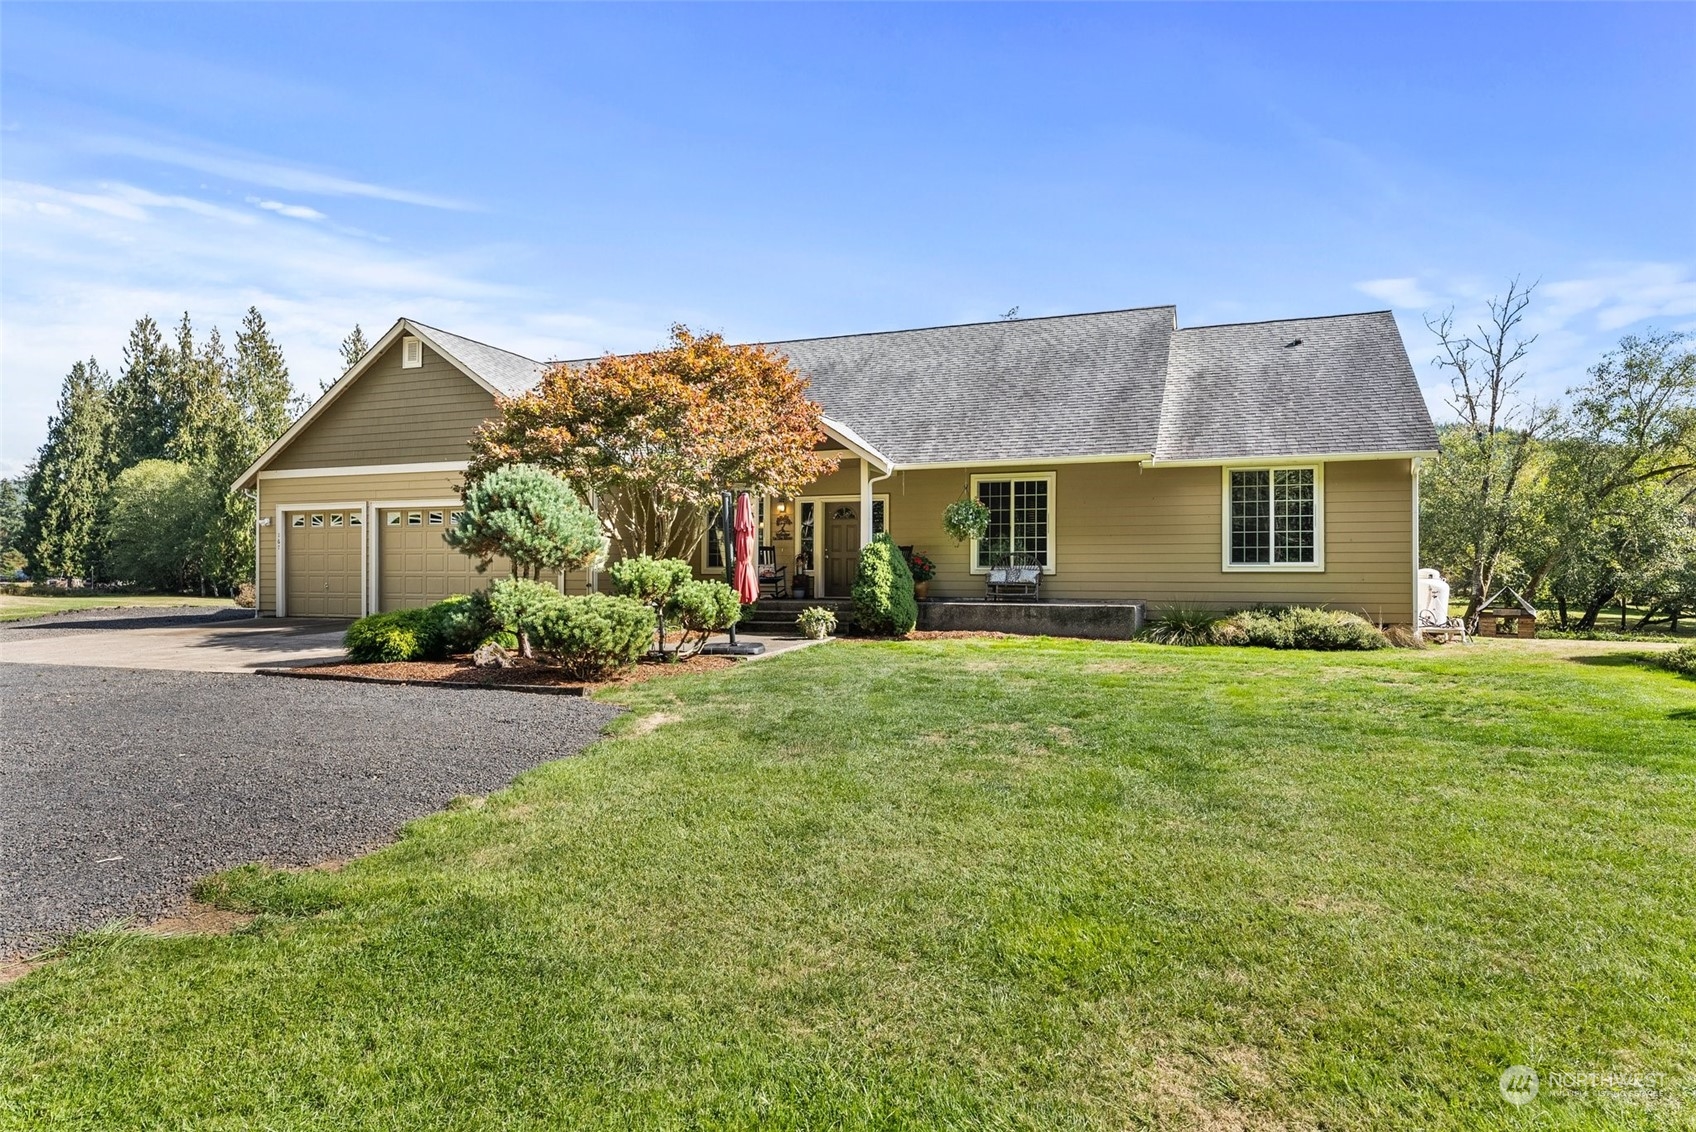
1499	431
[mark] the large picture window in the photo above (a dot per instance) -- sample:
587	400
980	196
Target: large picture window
1273	519
1021	522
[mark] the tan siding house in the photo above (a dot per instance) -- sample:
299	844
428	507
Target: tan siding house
1128	459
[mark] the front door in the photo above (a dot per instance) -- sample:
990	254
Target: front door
841	548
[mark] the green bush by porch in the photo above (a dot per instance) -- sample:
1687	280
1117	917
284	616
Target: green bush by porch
883	590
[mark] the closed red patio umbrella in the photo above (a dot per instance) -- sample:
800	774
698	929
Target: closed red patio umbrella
746	581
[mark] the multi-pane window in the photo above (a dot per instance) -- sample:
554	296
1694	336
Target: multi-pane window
1274	517
809	525
1020	518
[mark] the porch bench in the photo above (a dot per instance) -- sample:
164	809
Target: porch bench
1006	583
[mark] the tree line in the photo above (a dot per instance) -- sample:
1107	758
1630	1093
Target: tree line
132	484
1579	505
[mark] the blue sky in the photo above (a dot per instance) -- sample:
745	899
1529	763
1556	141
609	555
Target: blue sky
563	180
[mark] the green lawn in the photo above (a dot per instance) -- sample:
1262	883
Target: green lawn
966	884
17	607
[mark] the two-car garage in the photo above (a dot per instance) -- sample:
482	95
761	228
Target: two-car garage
324	549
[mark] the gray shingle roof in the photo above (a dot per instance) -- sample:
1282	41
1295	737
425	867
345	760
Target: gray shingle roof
1244	390
511	373
1038	388
1115	383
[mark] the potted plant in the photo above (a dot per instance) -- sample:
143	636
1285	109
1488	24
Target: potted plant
923	570
965	519
816	623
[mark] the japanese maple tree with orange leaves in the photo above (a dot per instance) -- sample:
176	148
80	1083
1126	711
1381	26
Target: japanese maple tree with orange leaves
651	439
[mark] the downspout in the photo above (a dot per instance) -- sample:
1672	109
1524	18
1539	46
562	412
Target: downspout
866	482
1414	615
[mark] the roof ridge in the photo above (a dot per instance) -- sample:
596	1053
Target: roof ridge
1275	321
962	325
473	341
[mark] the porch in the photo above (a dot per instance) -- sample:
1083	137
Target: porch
1096	620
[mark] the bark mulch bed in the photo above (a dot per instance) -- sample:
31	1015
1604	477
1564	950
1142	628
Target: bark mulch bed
523	676
958	635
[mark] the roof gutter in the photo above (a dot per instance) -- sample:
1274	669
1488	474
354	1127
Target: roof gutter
1291	458
856	444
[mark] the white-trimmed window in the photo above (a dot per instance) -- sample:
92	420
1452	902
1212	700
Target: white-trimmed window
411	353
1021	521
1275	518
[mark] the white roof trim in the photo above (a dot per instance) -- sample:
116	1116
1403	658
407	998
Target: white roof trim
1033	462
1301	458
401	327
852	441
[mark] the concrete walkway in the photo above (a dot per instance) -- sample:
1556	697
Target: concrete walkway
182	643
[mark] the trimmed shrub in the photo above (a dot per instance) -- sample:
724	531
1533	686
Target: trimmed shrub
655	583
883	590
1681	660
462	622
1327	630
702	609
390	638
516	601
1185	625
594	636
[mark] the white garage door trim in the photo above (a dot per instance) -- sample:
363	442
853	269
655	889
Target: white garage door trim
283	557
373	536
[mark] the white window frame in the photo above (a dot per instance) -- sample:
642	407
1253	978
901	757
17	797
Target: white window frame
1001	477
411	352
1317	566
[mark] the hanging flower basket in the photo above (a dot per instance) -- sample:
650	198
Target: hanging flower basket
965	519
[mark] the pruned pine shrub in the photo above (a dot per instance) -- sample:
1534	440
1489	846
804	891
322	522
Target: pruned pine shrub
655	582
390	638
883	590
594	636
702	609
515	602
1681	660
1185	625
462	622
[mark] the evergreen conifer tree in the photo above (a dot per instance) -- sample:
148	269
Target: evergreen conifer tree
354	347
64	518
145	404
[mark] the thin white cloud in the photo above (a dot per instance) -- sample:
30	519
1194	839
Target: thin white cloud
78	267
294	211
1403	294
266	171
1575	319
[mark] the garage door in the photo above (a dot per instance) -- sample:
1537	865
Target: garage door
415	567
322	573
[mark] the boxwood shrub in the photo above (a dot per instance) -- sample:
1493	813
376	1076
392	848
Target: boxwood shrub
389	638
883	590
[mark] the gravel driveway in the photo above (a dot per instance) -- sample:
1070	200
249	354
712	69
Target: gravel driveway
118	788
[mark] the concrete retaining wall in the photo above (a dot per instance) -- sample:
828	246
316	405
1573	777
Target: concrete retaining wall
1111	621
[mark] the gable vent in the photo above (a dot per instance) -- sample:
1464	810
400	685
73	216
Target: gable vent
411	353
